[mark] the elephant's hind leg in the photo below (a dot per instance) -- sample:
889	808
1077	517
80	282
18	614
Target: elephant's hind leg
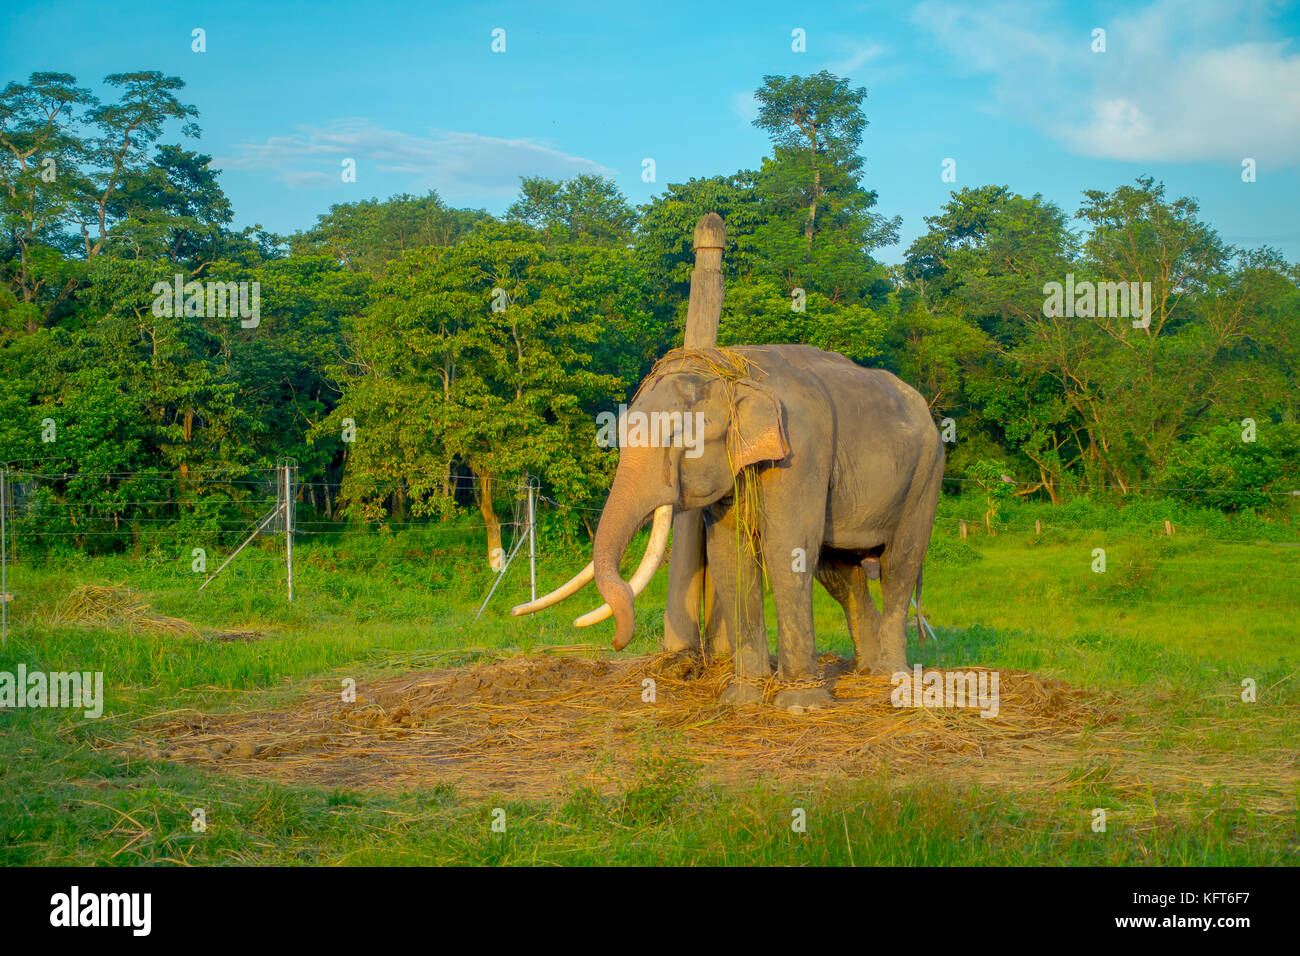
847	582
900	569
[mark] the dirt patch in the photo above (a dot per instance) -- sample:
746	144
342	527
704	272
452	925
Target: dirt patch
236	637
540	725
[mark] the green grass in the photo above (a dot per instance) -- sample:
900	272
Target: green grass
1171	629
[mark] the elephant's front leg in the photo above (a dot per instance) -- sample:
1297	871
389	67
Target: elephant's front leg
791	566
686	573
738	585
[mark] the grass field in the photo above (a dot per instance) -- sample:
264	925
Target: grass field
1166	635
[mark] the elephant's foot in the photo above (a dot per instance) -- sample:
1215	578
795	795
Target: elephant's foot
889	666
874	665
676	645
803	697
741	692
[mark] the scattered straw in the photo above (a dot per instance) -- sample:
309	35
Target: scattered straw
542	724
107	606
96	605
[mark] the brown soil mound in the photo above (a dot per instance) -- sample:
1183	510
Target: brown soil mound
542	725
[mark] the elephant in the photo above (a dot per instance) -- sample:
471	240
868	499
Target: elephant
846	464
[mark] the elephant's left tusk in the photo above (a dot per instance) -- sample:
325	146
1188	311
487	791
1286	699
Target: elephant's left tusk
650	561
571	586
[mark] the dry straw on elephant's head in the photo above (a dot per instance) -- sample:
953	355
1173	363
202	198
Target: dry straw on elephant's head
728	366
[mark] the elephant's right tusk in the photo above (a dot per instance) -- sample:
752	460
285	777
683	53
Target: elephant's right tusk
572	586
650	561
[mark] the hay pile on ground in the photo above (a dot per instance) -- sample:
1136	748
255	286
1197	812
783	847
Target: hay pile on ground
541	725
99	605
106	606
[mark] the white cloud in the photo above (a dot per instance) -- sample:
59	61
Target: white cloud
745	105
1179	80
456	164
855	58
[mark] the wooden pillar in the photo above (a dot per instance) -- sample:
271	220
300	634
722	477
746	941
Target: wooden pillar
705	308
689	589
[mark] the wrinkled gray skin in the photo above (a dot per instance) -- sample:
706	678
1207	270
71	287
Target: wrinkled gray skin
850	463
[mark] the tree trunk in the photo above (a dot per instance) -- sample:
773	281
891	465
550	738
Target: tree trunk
491	523
812	210
817	189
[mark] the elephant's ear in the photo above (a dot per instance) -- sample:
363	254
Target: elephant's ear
757	425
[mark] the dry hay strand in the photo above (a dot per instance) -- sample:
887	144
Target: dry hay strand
728	366
541	725
106	605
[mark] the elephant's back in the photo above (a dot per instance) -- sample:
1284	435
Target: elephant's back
851	388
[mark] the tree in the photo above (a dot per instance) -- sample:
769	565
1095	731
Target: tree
173	208
365	236
990	476
818	225
587	210
90	169
976	279
1219	469
486	354
816	125
41	153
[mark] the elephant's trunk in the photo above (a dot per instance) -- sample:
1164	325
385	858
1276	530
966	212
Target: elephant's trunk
625	511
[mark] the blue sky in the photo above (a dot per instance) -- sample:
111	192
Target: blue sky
1013	92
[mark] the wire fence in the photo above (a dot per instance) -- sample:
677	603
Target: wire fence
53	511
224	510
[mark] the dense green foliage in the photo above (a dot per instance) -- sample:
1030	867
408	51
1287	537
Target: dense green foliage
450	344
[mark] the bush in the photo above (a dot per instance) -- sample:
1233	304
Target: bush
1223	470
950	552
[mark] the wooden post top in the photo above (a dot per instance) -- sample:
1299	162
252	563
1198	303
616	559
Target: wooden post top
710	232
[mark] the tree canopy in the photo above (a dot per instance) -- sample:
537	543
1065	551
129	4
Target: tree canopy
448	343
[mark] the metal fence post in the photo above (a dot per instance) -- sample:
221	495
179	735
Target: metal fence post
288	528
532	538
